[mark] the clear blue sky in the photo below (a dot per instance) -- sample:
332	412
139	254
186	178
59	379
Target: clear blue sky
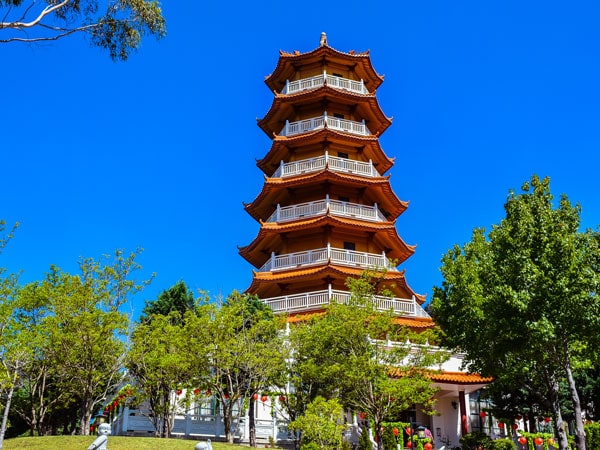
159	152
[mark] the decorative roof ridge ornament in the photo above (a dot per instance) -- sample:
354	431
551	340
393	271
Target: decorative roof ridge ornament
323	40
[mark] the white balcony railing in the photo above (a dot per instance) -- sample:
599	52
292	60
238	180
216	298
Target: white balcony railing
322	207
317	123
292	87
334	163
318	299
328	254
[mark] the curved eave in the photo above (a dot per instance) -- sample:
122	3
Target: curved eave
281	144
261	207
289	62
414	323
463	378
283	107
258	252
445	377
394	281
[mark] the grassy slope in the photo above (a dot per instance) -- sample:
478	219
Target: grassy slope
114	443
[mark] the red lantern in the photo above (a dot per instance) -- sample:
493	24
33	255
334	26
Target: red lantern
179	391
282	398
264	398
547	419
255	396
197	391
514	426
395	430
428	446
409	444
208	393
522	440
482	414
408	431
501	425
362	415
226	396
538	441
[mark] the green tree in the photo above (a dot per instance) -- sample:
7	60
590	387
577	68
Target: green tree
523	302
158	363
12	352
322	424
176	299
39	393
361	356
237	350
117	26
86	327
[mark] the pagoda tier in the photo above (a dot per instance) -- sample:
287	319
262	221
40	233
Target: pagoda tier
339	103
294	148
296	65
281	238
307	279
315	186
326	210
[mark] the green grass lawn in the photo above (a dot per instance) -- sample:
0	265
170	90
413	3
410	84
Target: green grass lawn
114	443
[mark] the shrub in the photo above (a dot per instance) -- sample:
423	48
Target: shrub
310	446
389	438
364	443
504	444
475	441
592	434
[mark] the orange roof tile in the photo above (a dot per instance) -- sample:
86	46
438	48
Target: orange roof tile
360	60
284	106
385	232
272	186
271	161
261	279
459	378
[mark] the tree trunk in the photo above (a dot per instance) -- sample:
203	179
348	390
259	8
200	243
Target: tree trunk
251	423
563	444
84	418
378	429
580	440
9	396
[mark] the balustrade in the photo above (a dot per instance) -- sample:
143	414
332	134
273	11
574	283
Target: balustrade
335	163
322	207
316	123
323	255
291	87
319	299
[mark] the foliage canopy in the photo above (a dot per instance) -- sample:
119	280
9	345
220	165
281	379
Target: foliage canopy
523	301
116	26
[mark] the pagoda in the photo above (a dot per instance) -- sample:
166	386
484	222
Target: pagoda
327	210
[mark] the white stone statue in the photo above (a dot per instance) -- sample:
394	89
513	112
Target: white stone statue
102	439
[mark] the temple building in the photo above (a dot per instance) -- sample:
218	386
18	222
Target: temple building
327	210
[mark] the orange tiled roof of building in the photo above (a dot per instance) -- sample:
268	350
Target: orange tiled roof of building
386	233
280	147
394	208
266	278
459	378
360	60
